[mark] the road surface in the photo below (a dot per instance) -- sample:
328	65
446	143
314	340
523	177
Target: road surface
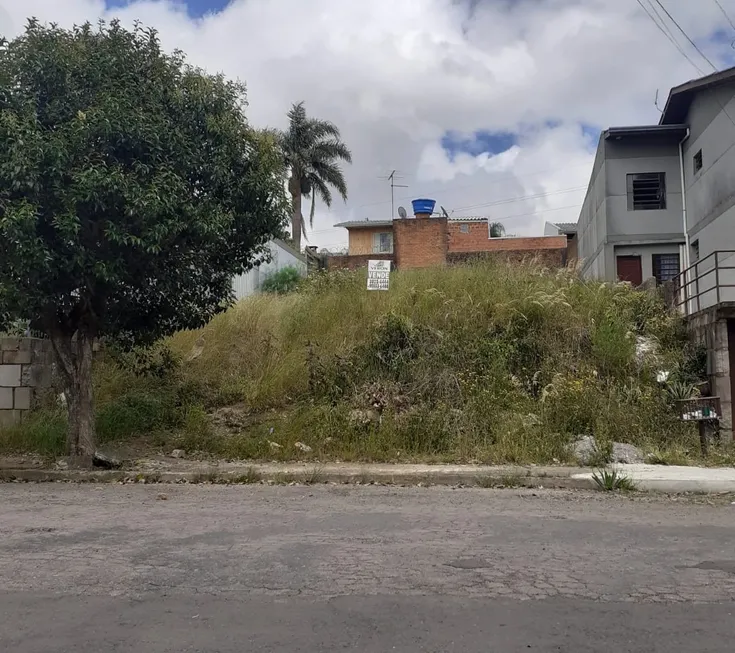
202	568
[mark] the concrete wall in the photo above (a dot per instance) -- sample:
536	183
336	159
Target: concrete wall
606	226
711	190
629	156
26	367
592	223
249	283
646	253
361	240
711	330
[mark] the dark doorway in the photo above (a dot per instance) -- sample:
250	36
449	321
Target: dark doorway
630	269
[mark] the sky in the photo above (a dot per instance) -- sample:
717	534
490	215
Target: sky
491	107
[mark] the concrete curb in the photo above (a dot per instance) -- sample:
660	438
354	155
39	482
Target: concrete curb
453	475
650	478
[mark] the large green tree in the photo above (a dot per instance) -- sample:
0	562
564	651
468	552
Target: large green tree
313	150
132	189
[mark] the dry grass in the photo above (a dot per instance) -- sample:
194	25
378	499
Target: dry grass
490	363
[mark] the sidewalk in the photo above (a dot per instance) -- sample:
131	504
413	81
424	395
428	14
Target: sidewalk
646	477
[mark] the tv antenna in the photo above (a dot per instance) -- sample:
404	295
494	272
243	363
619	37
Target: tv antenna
402	213
392	179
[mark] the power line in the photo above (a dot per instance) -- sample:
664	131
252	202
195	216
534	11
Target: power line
696	47
681	29
510	200
667	32
520	199
526	215
449	189
725	14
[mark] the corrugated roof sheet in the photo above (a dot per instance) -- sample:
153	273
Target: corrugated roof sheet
356	224
359	224
566	226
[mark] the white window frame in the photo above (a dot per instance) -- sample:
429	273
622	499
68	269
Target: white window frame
381	245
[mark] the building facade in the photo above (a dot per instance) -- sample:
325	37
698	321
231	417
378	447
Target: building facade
631	224
426	240
661	203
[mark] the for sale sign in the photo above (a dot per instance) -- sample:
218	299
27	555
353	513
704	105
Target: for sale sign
378	275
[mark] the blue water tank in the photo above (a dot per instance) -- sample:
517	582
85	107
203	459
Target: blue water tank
423	206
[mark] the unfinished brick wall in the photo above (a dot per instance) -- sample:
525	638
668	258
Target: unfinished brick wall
471	240
551	258
350	262
26	367
477	241
421	242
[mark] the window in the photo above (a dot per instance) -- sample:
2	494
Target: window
647	191
383	243
697	162
464	228
665	267
695	251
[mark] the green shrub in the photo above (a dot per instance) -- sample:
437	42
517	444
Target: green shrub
282	281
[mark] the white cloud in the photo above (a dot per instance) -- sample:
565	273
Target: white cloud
395	76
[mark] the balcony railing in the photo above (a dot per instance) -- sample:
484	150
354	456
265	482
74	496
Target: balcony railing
706	284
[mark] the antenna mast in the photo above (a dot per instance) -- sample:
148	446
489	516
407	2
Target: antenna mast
392	178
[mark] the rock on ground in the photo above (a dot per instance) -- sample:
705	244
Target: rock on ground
587	451
626	453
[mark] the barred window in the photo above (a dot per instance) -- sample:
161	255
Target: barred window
665	267
647	191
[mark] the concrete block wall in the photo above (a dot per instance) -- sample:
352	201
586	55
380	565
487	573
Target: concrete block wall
711	330
26	367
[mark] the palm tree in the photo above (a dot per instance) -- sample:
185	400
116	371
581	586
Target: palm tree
497	230
313	150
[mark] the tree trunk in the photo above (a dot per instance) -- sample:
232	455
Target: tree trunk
74	359
294	187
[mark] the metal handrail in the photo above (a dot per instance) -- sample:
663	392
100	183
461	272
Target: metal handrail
692	276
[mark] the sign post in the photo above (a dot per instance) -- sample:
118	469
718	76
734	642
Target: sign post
378	275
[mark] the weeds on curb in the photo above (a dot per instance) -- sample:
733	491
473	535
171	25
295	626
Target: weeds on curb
250	477
283	478
503	481
314	476
611	480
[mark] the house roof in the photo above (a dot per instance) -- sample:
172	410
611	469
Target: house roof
680	97
674	131
364	224
368	224
566	227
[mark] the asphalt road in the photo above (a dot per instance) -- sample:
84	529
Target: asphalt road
155	569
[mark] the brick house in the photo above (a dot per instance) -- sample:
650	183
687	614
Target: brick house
424	241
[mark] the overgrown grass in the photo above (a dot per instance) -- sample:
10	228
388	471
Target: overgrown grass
487	362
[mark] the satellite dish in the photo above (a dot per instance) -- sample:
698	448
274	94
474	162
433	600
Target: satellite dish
444	212
402	213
